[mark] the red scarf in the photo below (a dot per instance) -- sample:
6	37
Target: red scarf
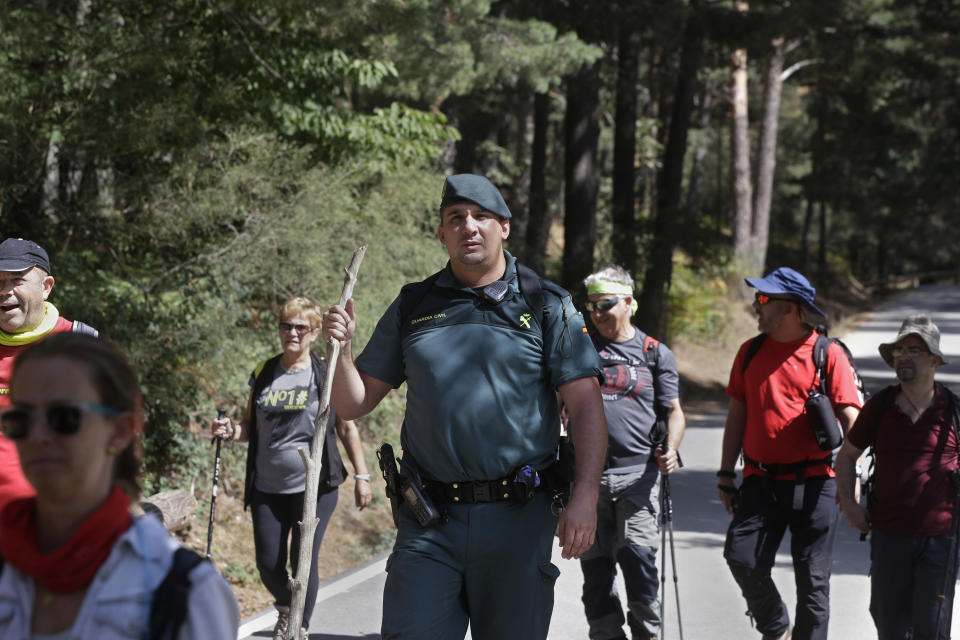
73	565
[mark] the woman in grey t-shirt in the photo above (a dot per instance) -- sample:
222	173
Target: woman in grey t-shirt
280	418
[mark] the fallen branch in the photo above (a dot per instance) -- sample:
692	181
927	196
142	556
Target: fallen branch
308	526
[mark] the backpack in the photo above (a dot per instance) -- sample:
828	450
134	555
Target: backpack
873	428
660	431
84	328
168	608
332	471
651	358
530	288
820	348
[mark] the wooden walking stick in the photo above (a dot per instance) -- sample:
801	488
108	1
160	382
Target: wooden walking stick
308	526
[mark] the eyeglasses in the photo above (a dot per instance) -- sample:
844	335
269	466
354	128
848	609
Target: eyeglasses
63	419
603	304
286	327
763	299
913	352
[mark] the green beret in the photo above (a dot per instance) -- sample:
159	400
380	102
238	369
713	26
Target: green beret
469	187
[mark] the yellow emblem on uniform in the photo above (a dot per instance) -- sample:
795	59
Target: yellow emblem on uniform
525	320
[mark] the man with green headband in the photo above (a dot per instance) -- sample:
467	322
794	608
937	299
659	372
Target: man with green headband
640	394
25	318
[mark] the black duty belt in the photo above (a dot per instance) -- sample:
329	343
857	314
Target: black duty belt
470	492
519	488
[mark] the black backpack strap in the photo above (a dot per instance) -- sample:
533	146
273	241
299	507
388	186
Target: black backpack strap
651	354
531	290
954	406
169	607
820	348
752	350
261	376
412	295
651	345
84	328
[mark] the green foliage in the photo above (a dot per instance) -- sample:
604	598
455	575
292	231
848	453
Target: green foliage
240	573
190	284
698	302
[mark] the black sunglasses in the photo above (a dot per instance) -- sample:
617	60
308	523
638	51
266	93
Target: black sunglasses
603	304
63	419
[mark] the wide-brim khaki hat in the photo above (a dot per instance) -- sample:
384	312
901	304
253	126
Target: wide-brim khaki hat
922	327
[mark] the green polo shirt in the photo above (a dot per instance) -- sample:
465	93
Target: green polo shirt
481	376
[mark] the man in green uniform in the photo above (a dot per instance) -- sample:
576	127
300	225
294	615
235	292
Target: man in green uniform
483	369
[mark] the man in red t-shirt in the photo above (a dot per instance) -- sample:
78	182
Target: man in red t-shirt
25	318
787	479
912	506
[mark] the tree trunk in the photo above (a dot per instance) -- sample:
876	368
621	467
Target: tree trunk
767	160
50	192
624	238
519	147
698	166
312	462
652	315
582	132
822	252
805	234
742	200
538	220
176	509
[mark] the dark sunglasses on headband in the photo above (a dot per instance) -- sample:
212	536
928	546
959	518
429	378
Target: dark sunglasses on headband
603	304
63	419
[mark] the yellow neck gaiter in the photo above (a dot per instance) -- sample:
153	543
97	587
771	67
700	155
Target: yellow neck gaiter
50	317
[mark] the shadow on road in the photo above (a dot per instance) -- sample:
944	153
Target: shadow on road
699	522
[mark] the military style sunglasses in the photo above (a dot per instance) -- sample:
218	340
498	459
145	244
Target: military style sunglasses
63	419
763	299
603	304
912	351
301	329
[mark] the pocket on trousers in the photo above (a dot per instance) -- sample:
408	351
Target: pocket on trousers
549	573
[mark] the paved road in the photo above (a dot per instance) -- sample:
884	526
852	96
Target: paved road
712	609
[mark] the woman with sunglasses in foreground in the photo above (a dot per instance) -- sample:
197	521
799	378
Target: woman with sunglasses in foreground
76	563
281	412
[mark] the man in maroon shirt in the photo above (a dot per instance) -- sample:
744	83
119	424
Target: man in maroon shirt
911	510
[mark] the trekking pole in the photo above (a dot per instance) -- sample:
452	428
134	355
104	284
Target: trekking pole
663	561
668	513
221	413
942	596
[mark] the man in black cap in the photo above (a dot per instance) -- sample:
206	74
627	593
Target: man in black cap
484	350
25	317
912	511
787	478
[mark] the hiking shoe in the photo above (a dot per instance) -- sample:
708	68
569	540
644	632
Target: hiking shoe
304	634
283	621
783	636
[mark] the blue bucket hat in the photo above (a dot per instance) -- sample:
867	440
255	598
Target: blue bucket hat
786	281
469	187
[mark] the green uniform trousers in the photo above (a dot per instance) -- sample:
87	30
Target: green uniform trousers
488	565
